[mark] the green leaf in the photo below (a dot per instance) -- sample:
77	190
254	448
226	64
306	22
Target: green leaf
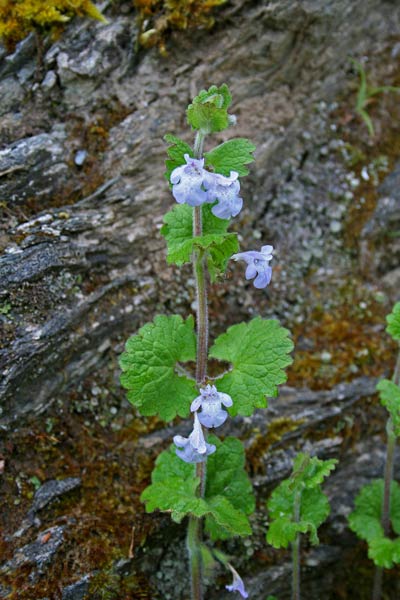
227	477
365	520
393	321
258	352
390	398
314	509
178	232
310	472
176	151
224	520
174	489
384	552
283	532
208	111
148	366
232	155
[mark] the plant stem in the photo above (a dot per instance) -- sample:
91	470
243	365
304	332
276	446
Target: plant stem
296	549
388	476
202	313
194	534
192	544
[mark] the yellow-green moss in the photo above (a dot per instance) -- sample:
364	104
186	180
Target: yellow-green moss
19	17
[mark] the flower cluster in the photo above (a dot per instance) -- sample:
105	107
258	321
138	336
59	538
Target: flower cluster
192	184
194	448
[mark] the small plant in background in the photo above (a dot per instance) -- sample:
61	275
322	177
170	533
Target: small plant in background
365	96
376	517
298	506
18	18
201	477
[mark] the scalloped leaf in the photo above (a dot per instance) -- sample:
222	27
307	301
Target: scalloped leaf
384	552
310	472
283	529
232	155
216	241
393	321
365	520
176	151
174	489
226	476
389	394
208	111
148	366
259	352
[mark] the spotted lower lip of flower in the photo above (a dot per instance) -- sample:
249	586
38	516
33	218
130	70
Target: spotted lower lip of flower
257	265
193	449
226	191
187	182
237	583
210	401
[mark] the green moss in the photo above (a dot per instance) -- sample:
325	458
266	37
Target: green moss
19	17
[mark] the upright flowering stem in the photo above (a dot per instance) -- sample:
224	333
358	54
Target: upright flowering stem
388	476
192	544
199	268
296	550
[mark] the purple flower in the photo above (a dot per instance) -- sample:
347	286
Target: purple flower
187	182
226	191
194	448
237	583
257	264
210	400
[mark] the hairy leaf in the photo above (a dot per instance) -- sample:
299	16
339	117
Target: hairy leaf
176	151
208	111
384	551
174	486
148	366
310	472
365	520
226	476
216	241
258	352
390	398
393	321
314	509
232	155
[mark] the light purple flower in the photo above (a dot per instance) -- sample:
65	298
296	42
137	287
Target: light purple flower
194	448
210	400
226	191
237	583
257	265
187	182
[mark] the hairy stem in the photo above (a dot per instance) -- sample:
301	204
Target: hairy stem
193	547
296	550
388	476
202	313
199	268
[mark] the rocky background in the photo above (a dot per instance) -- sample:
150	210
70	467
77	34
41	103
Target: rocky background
82	197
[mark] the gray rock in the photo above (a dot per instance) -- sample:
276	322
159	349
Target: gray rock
380	238
38	553
47	493
78	590
33	167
